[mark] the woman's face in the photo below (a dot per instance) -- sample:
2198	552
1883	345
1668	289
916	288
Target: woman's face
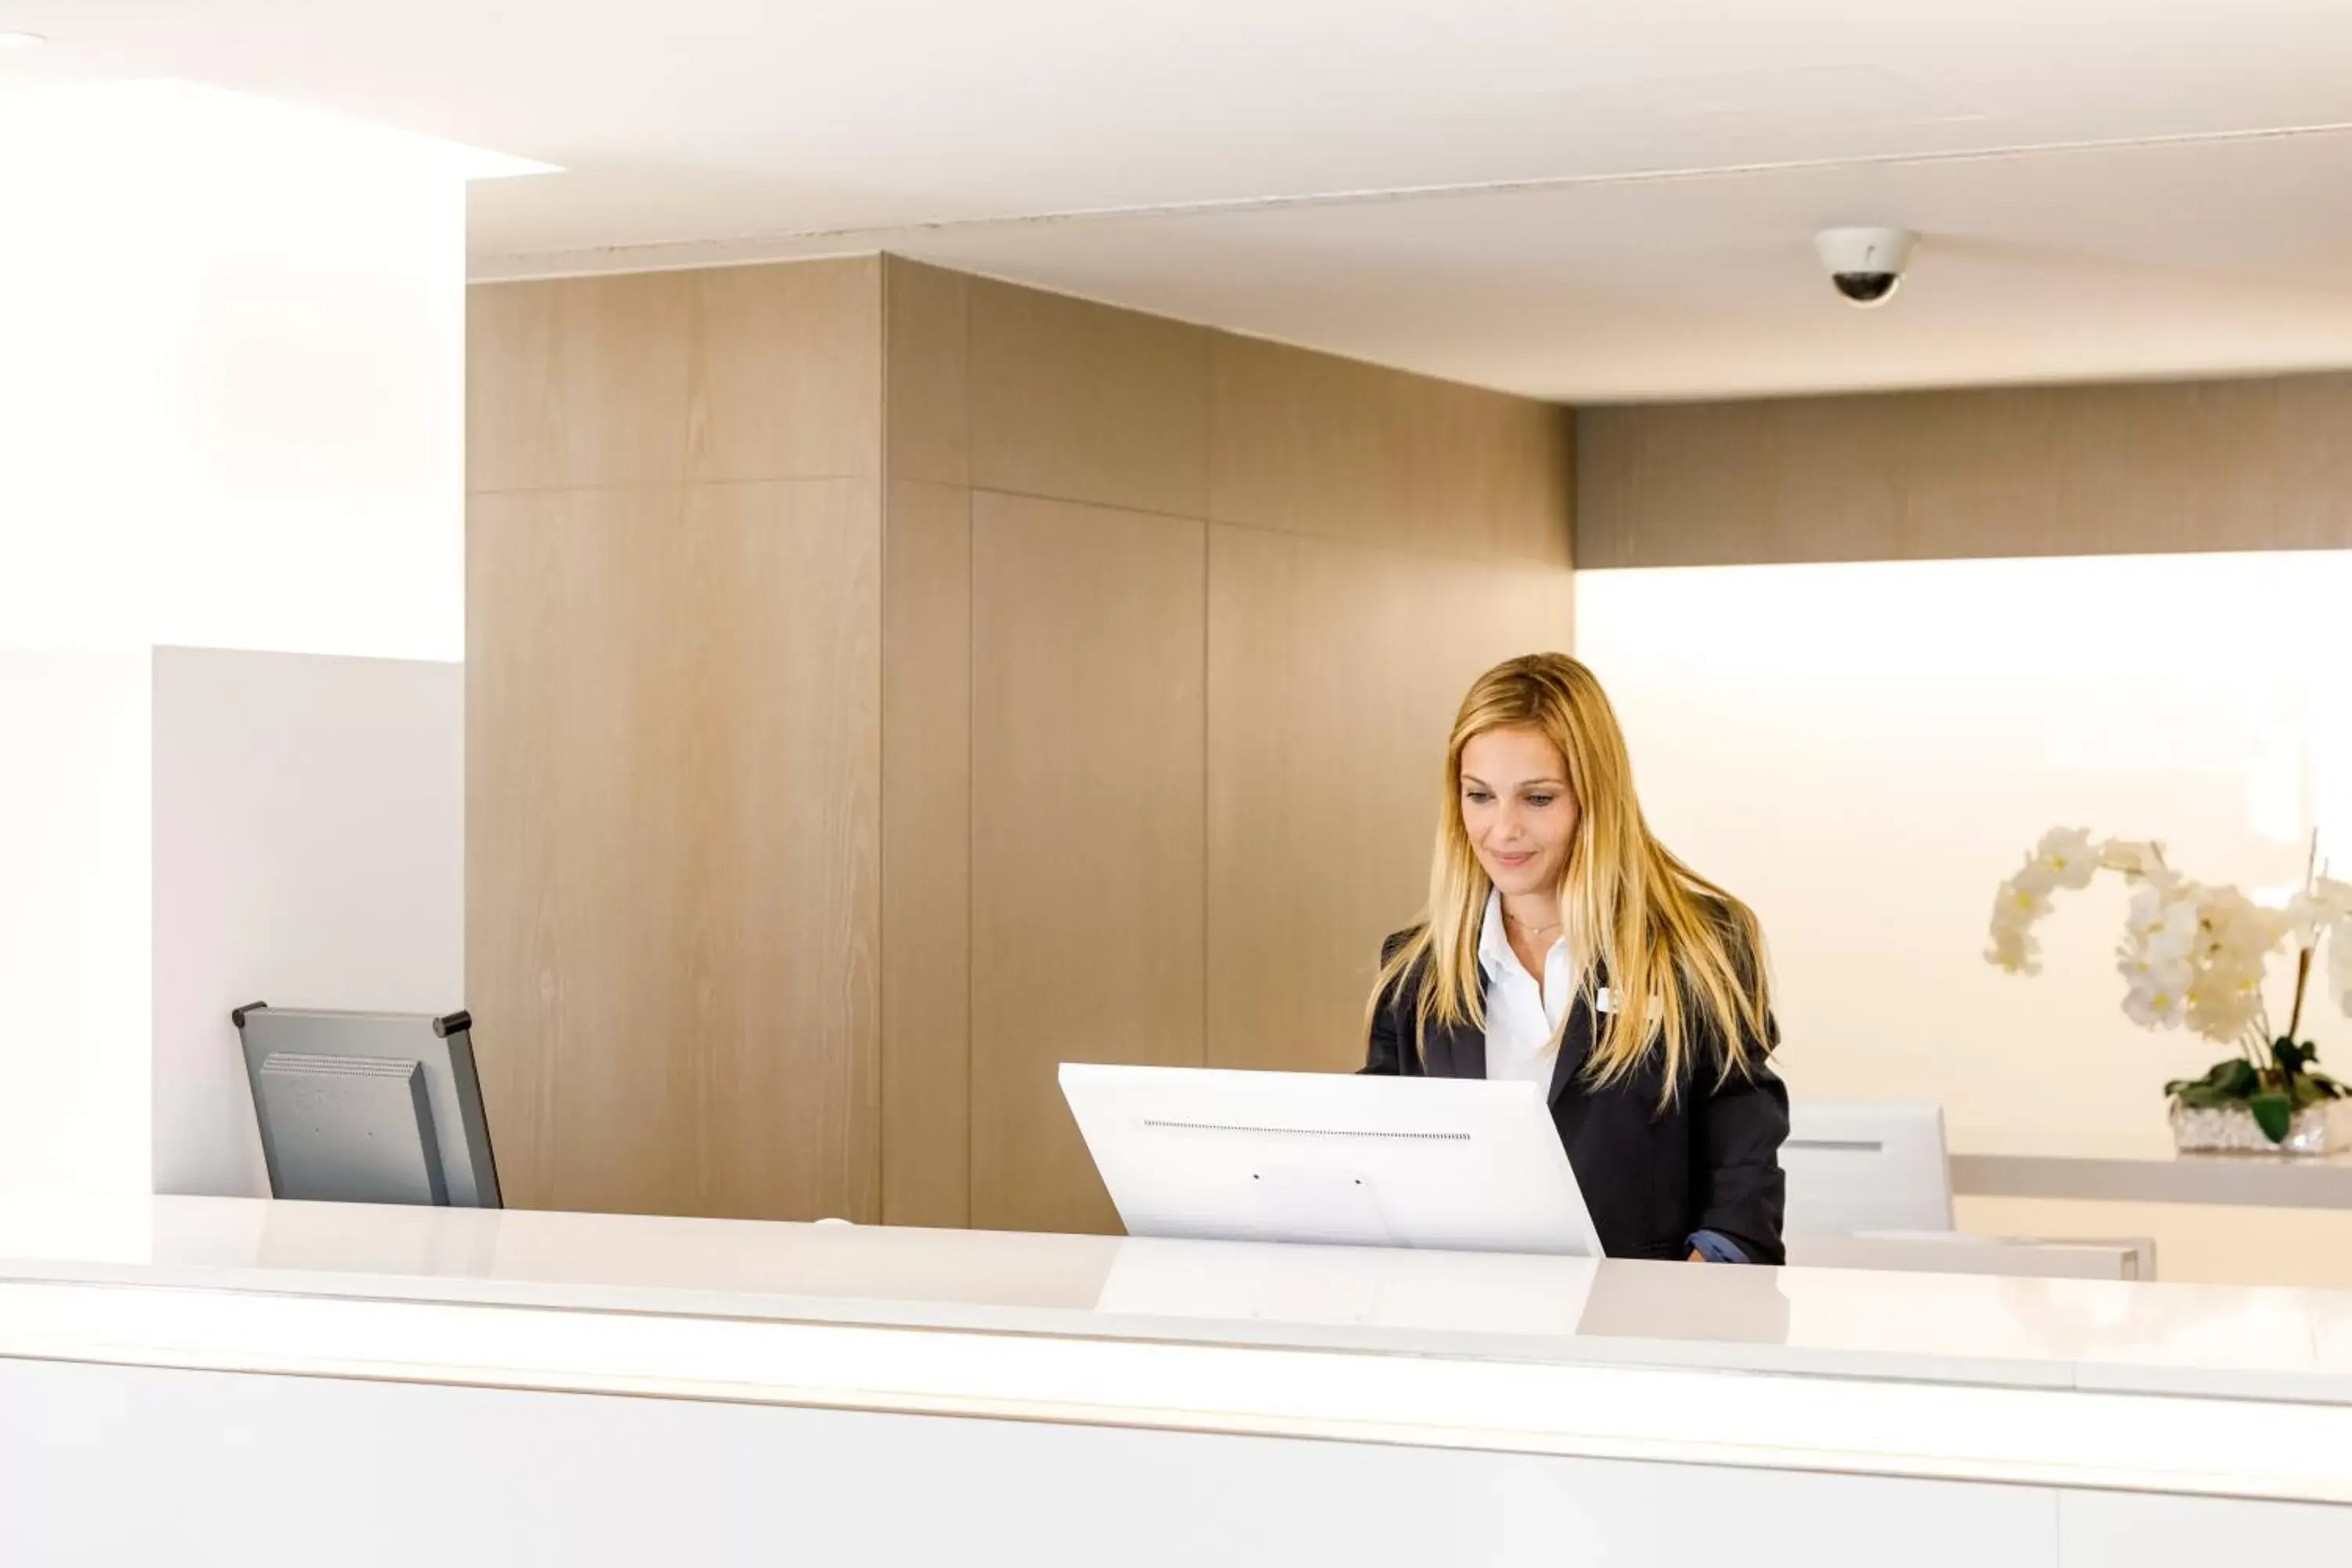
1516	805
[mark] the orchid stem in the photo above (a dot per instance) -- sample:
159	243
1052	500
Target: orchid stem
2301	979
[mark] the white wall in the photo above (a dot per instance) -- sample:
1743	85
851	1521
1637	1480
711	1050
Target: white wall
74	912
233	384
231	413
308	851
1863	751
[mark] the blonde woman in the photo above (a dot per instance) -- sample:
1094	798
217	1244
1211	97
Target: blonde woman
1564	944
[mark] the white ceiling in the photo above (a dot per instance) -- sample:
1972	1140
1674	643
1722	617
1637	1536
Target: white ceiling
2106	187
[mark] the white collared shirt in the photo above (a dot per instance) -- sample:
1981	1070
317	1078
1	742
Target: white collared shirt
1522	1016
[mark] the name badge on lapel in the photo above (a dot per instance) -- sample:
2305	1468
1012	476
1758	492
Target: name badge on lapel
1603	1002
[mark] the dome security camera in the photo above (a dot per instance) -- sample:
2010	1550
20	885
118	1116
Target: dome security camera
1865	264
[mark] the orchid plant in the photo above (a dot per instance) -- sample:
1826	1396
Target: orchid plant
2192	956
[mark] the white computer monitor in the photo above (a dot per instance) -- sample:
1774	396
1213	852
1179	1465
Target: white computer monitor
1858	1165
1457	1164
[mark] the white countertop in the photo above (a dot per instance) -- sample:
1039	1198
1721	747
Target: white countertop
2153	1338
1487	1350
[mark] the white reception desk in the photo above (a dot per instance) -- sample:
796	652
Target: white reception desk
253	1382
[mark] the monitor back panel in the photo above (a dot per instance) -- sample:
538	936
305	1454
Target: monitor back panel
369	1107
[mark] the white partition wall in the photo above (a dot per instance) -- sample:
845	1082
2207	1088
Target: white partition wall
187	829
75	748
231	416
308	850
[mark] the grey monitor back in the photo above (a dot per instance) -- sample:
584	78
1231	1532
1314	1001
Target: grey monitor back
1862	1164
369	1108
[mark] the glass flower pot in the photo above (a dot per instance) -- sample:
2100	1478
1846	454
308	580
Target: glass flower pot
2231	1129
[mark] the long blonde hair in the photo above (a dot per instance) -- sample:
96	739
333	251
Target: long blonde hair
1685	959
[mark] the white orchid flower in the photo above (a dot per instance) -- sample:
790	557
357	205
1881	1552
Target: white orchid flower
2069	856
2154	1006
2173	938
2133	856
2192	954
2014	948
2036	879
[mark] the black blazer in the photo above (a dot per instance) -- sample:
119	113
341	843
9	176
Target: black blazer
1710	1162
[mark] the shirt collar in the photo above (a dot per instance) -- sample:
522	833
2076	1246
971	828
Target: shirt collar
1494	953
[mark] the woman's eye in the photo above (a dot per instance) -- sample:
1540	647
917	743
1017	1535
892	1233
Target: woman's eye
1541	799
1477	796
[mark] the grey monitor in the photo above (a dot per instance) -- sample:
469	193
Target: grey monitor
1860	1165
368	1107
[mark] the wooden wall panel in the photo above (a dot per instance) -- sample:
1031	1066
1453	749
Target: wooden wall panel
1334	673
783	762
750	373
926	749
581	382
1088	854
927	856
1310	442
786	372
1083	402
672	864
844	751
926	327
674	760
2260	464
569	676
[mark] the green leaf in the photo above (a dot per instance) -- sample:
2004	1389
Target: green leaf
2272	1114
2235	1078
2203	1097
2289	1056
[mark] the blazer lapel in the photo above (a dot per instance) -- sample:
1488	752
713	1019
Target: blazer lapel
1452	1051
1465	1051
1456	1051
1576	1040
